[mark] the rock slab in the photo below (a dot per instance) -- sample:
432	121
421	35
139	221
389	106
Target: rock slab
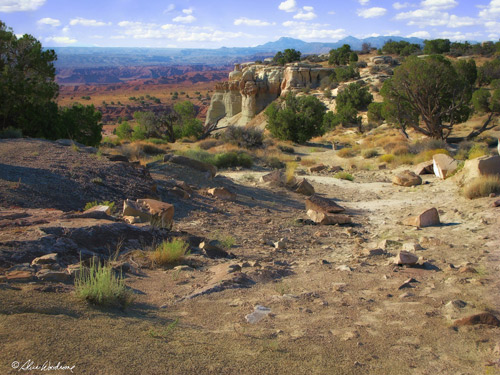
427	218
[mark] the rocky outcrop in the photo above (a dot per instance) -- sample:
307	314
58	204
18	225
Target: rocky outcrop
251	88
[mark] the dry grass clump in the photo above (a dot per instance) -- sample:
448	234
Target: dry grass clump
477	151
482	187
397	149
290	171
207	144
347	152
427	155
308	162
138	150
369	153
387	158
169	252
344	176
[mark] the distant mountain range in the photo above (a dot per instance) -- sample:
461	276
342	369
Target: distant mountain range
78	57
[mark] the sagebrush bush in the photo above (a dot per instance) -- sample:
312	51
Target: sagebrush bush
101	286
207	144
482	187
477	150
346	152
170	252
387	158
233	159
243	137
344	176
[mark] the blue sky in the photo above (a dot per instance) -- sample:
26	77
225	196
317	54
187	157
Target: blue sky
212	24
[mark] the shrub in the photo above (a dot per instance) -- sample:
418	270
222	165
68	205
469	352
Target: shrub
346	152
233	159
400	149
370	153
274	163
124	130
286	149
359	97
344	176
101	286
290	171
428	154
387	158
477	151
243	137
170	252
427	144
150	149
139	133
345	73
482	187
299	121
207	144
375	112
11	132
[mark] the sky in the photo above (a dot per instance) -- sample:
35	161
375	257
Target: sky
239	23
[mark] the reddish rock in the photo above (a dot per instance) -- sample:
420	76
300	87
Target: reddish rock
425	219
483	318
19	276
222	193
328	219
406	178
304	187
151	210
321	204
405	258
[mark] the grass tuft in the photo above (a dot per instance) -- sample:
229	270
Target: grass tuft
169	252
482	187
344	176
101	286
290	171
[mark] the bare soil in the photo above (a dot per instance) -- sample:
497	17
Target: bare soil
334	310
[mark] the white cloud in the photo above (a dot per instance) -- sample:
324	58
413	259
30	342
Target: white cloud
429	17
459	36
249	22
175	32
188	18
364	2
393	32
332	12
87	22
398	5
419	34
491	11
288	6
371	12
305	14
48	22
9	6
313	31
169	9
439	4
61	39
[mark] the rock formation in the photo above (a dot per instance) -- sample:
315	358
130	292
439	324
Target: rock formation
252	88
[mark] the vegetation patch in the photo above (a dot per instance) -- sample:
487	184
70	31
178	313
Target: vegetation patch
482	187
344	176
169	252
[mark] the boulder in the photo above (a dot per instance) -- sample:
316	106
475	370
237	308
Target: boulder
482	166
274	178
328	219
155	212
425	219
496	203
406	178
321	204
191	163
443	165
181	193
50	275
405	258
424	168
19	276
222	193
304	187
213	249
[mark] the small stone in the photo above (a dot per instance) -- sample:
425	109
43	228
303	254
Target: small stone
344	268
406	295
328	219
279	245
45	259
259	313
467	269
411	246
304	187
496	203
222	193
456	303
373	252
405	258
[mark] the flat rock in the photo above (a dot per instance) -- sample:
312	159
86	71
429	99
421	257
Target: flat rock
328	219
317	168
222	193
482	166
482	318
259	313
45	259
443	165
373	252
411	246
406	178
320	204
405	258
151	210
19	276
427	218
212	249
49	275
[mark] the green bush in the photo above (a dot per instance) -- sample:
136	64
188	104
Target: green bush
359	97
299	121
370	153
139	133
233	159
495	101
345	73
344	176
342	55
101	286
375	112
124	130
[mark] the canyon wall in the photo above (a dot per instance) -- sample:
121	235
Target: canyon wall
252	88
